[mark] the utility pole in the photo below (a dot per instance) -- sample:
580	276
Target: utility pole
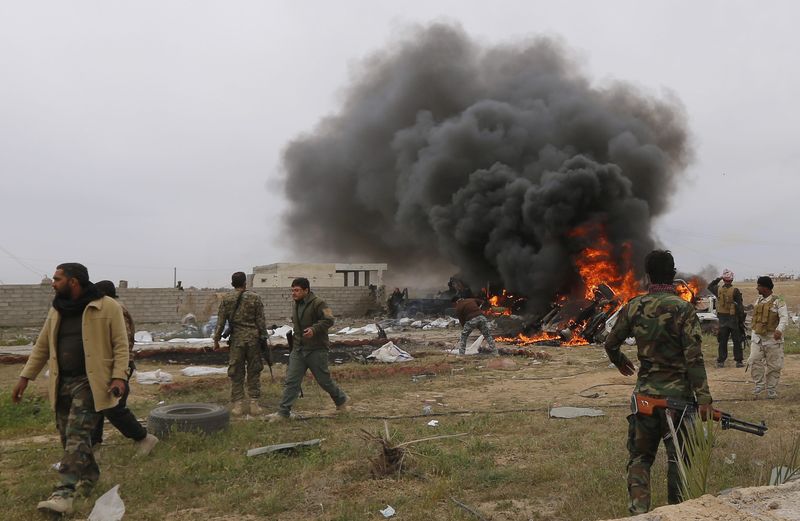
175	277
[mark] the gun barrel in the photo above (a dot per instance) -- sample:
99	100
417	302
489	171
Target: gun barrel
739	425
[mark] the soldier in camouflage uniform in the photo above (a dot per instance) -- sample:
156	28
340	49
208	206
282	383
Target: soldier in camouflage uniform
730	313
244	311
668	339
311	320
770	317
84	344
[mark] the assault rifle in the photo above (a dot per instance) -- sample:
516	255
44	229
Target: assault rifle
643	404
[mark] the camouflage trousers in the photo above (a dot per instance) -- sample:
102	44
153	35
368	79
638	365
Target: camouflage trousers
76	419
480	323
766	362
245	364
644	435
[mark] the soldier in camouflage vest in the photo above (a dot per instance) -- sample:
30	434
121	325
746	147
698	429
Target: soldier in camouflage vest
668	338
244	312
770	318
730	314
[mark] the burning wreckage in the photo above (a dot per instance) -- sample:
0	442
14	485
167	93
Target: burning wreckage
585	314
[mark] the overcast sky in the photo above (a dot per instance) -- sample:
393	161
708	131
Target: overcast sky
140	136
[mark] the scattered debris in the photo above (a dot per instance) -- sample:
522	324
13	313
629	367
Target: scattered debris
390	353
202	370
142	337
153	377
574	412
284	447
108	507
388	511
427	410
433	423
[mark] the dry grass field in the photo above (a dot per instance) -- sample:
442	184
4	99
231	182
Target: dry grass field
789	290
513	463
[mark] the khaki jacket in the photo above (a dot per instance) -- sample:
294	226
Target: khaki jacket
105	347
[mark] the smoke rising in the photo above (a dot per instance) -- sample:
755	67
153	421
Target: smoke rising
447	152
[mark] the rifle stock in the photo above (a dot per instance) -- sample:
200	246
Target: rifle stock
646	405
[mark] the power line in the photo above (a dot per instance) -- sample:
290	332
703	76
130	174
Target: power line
21	263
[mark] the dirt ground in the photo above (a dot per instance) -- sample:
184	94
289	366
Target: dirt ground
544	377
745	504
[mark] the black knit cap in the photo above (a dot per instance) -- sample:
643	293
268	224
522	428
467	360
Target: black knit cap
765	282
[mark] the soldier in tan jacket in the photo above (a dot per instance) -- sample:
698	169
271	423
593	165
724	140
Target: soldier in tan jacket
770	318
84	343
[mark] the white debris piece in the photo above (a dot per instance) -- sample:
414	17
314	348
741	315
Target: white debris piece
388	511
281	331
443	322
153	377
201	370
142	337
390	353
417	324
433	423
108	507
344	331
404	321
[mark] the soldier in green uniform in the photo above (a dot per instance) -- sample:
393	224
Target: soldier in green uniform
244	312
311	319
770	318
668	338
730	313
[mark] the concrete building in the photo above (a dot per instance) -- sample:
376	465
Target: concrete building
281	274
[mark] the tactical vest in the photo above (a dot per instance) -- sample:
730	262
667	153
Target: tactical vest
765	320
725	304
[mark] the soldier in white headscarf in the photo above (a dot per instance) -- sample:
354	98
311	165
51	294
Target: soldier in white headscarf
730	312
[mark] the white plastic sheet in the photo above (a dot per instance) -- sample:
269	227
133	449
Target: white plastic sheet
201	370
472	349
390	353
142	337
281	331
108	507
153	377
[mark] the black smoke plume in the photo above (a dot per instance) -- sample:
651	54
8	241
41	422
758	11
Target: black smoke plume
447	152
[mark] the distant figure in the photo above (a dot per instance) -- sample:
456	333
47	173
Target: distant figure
120	416
395	302
85	346
770	318
179	285
470	316
244	312
730	312
311	320
668	340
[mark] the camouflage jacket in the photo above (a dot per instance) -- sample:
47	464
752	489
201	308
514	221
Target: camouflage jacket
668	339
248	323
318	316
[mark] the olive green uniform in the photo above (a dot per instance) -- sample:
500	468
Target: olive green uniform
668	340
310	353
249	328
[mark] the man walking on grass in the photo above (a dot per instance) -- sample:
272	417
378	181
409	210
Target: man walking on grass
85	346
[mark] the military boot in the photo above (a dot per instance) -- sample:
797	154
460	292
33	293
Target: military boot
237	408
56	504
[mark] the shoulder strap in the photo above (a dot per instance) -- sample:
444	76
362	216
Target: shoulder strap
236	307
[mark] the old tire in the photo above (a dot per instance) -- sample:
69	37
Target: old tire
203	418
